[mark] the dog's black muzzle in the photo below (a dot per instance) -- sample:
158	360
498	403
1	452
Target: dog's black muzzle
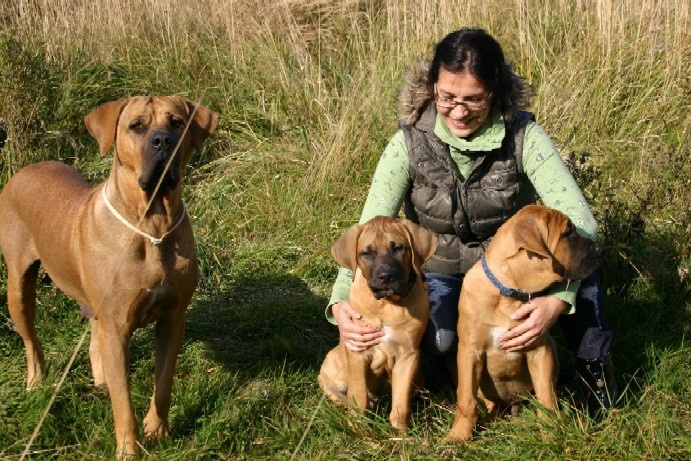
160	148
388	279
592	258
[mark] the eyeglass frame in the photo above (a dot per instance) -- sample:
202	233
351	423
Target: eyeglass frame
481	104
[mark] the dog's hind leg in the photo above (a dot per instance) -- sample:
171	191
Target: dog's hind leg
21	303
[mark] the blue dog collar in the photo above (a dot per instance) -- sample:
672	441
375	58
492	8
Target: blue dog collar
504	290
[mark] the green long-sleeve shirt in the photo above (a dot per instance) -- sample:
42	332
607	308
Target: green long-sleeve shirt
542	164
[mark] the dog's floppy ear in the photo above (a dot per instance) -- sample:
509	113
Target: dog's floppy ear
422	242
344	250
102	123
530	235
203	124
540	230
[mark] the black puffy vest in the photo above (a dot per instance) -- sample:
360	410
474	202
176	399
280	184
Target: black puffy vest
464	215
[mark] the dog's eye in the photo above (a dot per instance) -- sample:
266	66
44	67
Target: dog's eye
570	229
136	125
367	253
397	247
177	123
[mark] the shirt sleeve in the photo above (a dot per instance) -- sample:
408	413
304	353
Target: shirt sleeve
339	292
390	182
557	189
387	191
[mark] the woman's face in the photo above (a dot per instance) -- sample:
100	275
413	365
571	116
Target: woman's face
462	102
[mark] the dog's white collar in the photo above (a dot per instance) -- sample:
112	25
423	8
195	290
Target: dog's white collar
152	239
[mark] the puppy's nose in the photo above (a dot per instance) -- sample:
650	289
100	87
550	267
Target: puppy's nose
386	276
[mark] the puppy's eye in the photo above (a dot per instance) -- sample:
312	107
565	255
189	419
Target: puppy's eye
367	253
397	247
570	229
136	125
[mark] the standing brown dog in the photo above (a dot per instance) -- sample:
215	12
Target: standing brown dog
388	290
124	250
534	249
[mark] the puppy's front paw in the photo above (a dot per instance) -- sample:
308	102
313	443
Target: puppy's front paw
460	432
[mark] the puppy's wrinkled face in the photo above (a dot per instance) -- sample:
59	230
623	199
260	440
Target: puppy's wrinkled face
551	236
384	256
388	253
154	126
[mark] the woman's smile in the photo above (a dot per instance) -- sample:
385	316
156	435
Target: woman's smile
463	102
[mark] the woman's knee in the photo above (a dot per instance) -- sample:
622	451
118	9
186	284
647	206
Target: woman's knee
440	336
439	342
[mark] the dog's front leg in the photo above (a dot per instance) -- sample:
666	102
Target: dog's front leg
542	368
470	365
95	355
358	368
114	347
403	375
169	334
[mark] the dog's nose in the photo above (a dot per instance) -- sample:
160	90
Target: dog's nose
161	141
386	276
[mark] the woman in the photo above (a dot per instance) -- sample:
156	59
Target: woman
464	160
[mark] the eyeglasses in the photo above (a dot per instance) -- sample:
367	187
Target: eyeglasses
471	106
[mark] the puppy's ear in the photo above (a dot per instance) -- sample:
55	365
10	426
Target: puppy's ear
530	235
203	125
102	123
344	250
422	242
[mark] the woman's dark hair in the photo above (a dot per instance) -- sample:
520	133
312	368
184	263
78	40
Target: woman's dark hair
478	53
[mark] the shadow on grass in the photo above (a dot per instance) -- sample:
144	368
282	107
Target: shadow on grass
647	302
263	322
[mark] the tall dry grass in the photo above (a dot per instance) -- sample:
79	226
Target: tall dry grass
585	57
310	86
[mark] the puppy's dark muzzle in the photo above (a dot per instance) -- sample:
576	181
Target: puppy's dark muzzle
160	149
595	257
388	279
589	263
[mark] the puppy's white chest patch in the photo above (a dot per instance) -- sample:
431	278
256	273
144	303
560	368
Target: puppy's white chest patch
496	333
388	334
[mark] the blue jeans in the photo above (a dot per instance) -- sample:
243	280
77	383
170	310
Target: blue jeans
585	330
440	336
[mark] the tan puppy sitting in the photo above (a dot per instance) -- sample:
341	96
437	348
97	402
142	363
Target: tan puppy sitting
534	249
388	290
124	250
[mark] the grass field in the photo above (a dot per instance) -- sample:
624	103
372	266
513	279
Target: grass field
307	96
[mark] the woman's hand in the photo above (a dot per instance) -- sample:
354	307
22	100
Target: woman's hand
538	315
356	337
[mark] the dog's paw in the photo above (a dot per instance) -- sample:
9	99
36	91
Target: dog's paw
399	422
155	428
399	429
459	434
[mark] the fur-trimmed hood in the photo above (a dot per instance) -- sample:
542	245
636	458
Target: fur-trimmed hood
415	94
